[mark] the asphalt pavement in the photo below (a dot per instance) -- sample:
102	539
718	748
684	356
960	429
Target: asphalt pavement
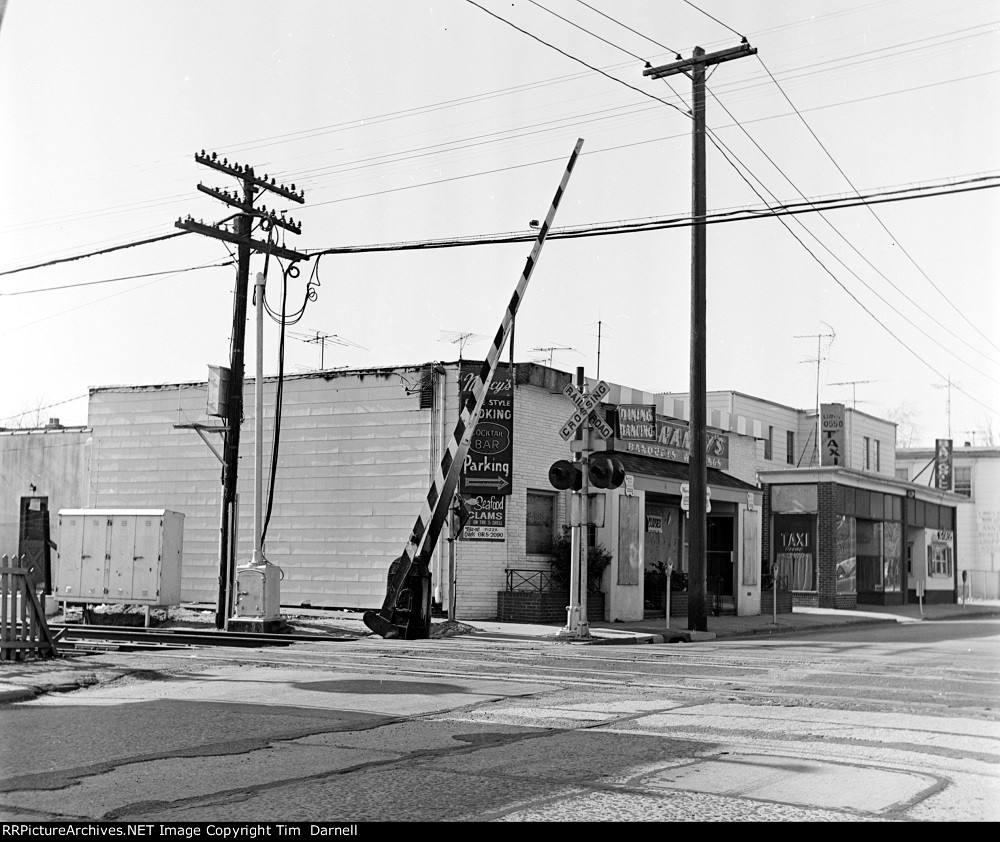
25	679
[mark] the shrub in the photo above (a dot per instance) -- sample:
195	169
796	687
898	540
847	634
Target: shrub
598	558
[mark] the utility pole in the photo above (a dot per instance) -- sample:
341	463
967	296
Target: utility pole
694	67
241	237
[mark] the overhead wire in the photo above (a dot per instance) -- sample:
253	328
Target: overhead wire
569	77
717	142
116	280
874	214
659	223
862	256
574	58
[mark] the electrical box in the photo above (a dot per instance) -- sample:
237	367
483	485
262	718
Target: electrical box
128	556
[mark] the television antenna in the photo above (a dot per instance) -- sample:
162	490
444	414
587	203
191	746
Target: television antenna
947	386
854	389
316	337
551	349
460	338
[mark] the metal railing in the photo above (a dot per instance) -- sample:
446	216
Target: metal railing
544	581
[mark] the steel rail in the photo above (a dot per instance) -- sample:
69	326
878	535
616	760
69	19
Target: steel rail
68	633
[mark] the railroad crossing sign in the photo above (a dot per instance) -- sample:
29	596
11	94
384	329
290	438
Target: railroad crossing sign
586	406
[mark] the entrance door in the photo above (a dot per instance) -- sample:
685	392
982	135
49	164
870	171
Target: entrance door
33	541
662	550
719	574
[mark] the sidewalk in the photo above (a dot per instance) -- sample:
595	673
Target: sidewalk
21	680
801	619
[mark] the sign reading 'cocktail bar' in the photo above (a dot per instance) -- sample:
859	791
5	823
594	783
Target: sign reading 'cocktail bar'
639	430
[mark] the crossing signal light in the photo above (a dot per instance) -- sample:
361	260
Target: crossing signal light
605	472
566	475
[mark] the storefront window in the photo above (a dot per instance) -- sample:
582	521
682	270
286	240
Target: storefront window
793	498
847	577
892	554
541	522
880	555
795	552
869	544
939	553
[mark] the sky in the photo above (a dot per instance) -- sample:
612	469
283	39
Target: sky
414	122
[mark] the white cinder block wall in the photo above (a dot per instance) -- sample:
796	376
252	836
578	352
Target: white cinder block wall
354	466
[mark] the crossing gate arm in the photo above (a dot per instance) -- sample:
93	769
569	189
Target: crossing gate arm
400	616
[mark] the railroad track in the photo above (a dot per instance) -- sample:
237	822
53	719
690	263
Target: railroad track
83	637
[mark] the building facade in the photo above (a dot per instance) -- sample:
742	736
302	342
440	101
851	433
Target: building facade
839	538
975	478
356	455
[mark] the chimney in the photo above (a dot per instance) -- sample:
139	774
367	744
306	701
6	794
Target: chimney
53	424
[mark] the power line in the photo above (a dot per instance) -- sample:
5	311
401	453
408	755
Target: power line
123	278
844	287
706	14
660	223
94	253
574	58
877	217
865	259
584	29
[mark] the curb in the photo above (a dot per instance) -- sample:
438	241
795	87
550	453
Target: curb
15	693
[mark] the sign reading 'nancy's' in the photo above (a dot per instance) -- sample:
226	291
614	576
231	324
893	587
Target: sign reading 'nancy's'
641	431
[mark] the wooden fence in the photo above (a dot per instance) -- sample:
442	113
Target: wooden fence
23	630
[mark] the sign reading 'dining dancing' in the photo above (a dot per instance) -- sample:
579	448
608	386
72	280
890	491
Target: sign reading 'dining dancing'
640	430
637	422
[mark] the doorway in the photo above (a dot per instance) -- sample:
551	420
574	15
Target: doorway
720	546
33	544
662	553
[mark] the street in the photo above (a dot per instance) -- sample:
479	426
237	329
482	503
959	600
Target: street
887	723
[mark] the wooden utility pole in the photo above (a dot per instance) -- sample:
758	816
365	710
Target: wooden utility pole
240	236
698	474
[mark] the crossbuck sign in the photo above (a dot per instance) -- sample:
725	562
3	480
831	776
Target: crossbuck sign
585	409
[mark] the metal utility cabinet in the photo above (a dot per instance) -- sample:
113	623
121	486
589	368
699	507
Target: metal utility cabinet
127	556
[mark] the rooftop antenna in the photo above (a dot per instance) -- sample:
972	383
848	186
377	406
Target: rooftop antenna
854	389
947	386
819	337
553	348
316	337
460	338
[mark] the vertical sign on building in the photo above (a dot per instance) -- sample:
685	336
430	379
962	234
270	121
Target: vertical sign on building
488	468
942	464
832	447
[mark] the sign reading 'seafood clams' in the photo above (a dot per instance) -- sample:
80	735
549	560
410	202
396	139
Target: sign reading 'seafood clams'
664	438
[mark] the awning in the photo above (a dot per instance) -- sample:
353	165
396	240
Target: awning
665	469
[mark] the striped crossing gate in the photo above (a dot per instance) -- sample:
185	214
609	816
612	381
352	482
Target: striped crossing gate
405	613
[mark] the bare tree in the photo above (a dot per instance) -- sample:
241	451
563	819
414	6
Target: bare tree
985	434
905	418
30	417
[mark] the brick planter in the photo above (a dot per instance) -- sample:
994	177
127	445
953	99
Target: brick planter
767	602
543	607
678	603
